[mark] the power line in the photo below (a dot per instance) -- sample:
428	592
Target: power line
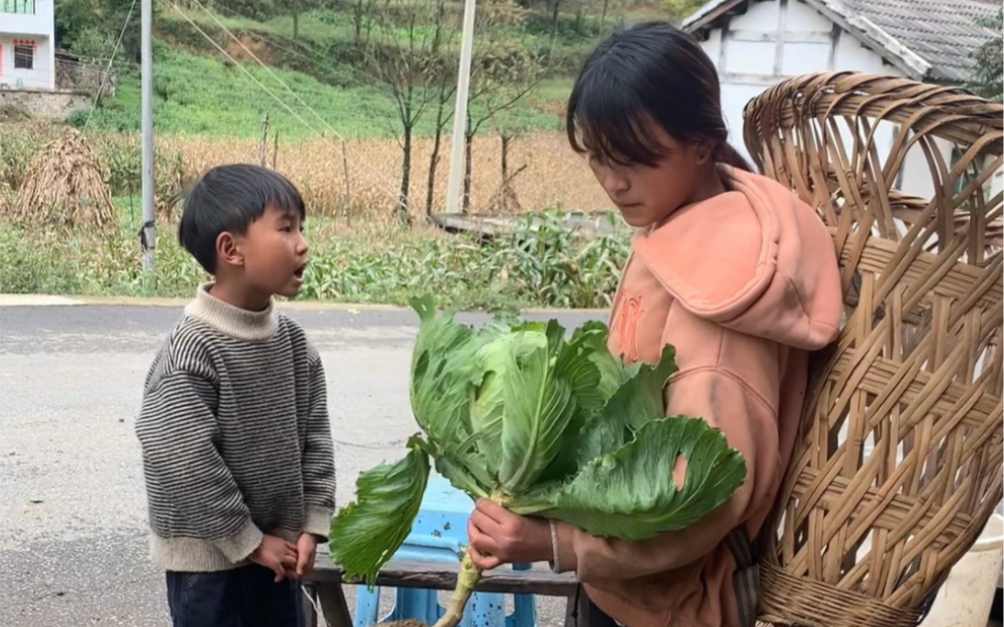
315	57
394	196
243	69
111	60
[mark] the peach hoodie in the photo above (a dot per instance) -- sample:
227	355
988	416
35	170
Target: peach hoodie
743	285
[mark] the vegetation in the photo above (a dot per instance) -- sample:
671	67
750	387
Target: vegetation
988	79
544	266
353	101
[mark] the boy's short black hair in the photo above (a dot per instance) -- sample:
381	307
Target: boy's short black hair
229	198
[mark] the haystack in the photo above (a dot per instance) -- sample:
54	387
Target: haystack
65	186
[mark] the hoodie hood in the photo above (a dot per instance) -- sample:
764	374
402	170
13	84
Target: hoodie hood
748	259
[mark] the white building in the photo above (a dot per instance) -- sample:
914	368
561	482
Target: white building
27	45
758	43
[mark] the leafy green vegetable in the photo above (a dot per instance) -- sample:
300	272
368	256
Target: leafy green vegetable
546	425
386	509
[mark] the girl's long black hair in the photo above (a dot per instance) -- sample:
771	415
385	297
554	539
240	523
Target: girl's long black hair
651	72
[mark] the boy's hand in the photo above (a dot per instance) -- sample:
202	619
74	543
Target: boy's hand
306	548
275	554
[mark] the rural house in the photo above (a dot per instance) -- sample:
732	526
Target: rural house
758	43
27	44
34	76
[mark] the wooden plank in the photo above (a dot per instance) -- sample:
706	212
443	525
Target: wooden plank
791	37
333	605
581	224
443	576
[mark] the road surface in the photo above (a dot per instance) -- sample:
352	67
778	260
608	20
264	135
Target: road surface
72	545
72	540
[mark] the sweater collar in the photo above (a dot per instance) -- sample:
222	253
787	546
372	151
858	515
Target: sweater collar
230	320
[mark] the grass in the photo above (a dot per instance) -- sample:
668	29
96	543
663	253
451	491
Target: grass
199	95
544	267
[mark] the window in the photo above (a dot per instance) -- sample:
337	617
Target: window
18	6
24	55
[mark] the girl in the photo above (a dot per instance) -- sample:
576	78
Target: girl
729	267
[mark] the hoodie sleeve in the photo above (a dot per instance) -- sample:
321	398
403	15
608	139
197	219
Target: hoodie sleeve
749	425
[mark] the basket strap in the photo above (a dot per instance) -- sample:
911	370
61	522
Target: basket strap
746	578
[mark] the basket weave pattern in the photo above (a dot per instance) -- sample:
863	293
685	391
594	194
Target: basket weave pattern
899	465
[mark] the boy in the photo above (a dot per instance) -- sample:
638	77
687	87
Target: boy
237	449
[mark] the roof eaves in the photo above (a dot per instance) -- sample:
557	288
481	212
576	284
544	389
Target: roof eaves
919	68
869	33
875	38
708	13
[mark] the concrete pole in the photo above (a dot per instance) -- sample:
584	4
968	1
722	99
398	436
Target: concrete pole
460	113
149	232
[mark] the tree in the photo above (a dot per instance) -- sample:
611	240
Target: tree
405	55
987	77
90	28
679	10
445	93
445	90
503	73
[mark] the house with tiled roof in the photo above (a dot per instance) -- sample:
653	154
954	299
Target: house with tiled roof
758	43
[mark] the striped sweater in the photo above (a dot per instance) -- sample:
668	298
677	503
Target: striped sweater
235	437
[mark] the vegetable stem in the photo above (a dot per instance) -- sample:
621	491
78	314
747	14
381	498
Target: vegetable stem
466	581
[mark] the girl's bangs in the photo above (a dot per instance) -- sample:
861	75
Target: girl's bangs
608	121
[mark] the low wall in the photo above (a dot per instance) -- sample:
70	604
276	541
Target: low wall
49	105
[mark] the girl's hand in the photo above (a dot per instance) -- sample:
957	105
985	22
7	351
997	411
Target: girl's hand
497	536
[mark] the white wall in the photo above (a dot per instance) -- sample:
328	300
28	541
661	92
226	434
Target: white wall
779	39
41	22
775	40
41	76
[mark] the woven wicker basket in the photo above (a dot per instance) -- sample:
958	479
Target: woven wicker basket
900	462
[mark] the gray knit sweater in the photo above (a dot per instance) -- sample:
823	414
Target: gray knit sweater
235	437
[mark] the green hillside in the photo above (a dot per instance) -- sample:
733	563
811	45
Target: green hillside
334	56
199	94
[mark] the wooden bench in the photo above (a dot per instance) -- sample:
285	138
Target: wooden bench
324	586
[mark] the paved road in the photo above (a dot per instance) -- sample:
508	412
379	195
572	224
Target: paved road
72	544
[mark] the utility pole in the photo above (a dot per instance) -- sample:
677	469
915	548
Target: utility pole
460	113
148	235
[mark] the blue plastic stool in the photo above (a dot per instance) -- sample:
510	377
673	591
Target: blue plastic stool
437	536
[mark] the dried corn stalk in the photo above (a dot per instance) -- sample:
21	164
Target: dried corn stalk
65	186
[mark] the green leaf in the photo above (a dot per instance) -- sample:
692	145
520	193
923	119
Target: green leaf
445	375
638	399
632	495
486	409
578	361
594	336
538	408
642	395
366	533
576	364
467	474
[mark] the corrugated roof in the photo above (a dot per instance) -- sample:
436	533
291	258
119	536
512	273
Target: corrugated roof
928	39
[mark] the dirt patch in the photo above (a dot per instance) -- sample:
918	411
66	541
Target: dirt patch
249	48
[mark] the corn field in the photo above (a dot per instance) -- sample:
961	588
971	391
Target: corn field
355	180
354	256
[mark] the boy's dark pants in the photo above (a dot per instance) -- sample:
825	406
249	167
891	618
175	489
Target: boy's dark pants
244	597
